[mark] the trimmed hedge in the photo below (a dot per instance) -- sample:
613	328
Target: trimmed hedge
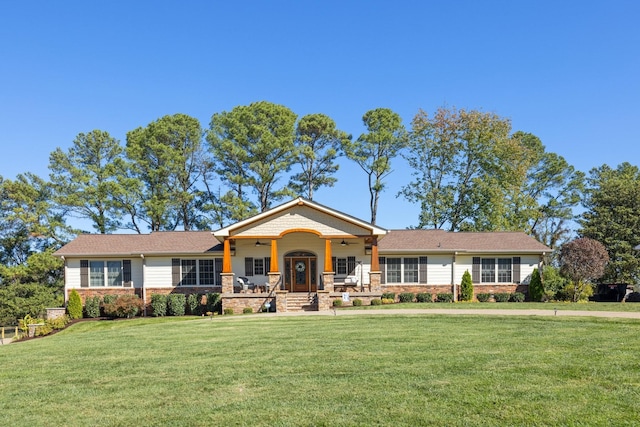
159	305
123	306
501	296
444	297
424	297
92	307
517	297
406	297
176	304
357	302
483	297
388	295
376	301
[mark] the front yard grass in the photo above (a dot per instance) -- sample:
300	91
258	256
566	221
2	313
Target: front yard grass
325	370
559	305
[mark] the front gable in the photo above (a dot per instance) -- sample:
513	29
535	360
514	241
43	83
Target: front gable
300	215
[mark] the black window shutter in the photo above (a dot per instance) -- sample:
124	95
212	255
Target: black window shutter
267	265
175	271
333	264
126	272
351	265
84	273
217	266
516	269
422	272
248	266
383	269
475	270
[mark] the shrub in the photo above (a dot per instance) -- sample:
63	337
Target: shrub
388	301
406	297
337	303
176	304
124	306
575	292
43	330
159	305
444	297
228	310
501	296
376	301
92	307
59	322
536	290
389	295
247	310
106	300
357	302
193	303
74	305
424	297
516	297
483	297
214	303
466	287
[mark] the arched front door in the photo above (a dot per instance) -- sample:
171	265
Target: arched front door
301	272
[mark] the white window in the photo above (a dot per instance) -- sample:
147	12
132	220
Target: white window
105	273
394	270
411	270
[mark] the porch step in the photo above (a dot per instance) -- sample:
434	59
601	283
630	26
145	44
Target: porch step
302	301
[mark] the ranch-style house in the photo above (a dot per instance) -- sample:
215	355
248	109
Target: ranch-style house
299	255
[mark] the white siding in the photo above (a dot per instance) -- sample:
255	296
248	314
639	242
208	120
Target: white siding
439	269
158	272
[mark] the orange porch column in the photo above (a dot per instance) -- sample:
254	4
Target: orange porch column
375	262
273	267
226	256
328	265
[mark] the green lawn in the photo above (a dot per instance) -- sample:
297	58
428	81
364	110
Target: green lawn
327	370
560	305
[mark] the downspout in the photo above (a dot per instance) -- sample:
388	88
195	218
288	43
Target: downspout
64	274
144	286
453	276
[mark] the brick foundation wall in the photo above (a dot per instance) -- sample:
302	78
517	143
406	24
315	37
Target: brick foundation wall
99	292
239	302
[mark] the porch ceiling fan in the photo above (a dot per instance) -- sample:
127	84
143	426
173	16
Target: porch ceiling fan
345	243
259	243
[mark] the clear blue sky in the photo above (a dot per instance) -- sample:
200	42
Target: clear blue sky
567	71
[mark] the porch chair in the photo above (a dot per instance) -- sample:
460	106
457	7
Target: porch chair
243	285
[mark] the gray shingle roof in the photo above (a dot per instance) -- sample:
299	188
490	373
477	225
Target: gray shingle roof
444	241
160	242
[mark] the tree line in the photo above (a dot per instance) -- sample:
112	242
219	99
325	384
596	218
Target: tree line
468	171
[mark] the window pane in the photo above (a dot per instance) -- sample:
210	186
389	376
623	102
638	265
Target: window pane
488	270
341	266
411	270
188	272
504	270
207	274
394	270
114	273
258	266
96	273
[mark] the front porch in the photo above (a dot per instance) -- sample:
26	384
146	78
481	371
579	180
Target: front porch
290	302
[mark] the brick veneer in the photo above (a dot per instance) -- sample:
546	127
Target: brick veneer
239	302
